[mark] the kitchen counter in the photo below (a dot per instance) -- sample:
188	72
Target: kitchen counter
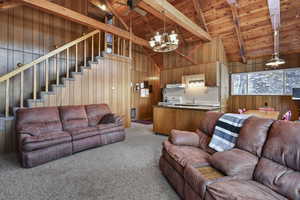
198	107
187	118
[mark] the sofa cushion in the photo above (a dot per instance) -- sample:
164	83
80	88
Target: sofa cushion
107	119
73	117
208	123
204	140
242	190
283	144
31	143
184	138
184	155
279	178
81	133
109	128
253	135
36	121
235	162
280	165
95	113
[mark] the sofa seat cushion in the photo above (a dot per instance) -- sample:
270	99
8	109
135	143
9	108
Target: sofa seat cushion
241	190
184	155
198	177
109	128
81	133
31	143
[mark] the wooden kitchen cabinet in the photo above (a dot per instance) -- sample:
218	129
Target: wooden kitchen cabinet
212	74
165	119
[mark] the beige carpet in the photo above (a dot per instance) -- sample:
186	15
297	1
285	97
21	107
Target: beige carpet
126	170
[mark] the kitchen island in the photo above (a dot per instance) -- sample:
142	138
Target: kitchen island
181	117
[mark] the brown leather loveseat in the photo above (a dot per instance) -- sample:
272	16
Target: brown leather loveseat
264	165
49	133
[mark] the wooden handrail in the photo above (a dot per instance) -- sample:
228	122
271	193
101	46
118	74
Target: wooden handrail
47	56
55	54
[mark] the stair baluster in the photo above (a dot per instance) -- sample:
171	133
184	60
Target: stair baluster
22	90
85	53
76	58
47	75
53	60
34	82
68	63
7	99
57	68
92	58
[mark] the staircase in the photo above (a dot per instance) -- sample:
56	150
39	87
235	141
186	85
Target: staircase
89	83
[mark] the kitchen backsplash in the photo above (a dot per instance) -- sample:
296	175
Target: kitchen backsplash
201	96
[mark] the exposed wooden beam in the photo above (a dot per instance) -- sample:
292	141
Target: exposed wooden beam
151	10
83	19
115	13
188	58
199	14
176	16
9	4
236	21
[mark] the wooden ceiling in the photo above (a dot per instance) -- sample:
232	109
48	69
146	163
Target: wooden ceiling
216	16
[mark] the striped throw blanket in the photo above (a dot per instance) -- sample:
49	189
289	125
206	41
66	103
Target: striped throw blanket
227	131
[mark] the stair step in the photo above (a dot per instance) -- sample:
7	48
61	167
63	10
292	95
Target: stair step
47	93
67	79
76	73
93	62
82	68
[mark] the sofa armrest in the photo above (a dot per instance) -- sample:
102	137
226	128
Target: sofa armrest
20	138
118	119
184	138
235	163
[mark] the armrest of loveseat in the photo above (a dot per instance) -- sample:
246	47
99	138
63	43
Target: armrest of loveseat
235	163
118	119
184	138
20	138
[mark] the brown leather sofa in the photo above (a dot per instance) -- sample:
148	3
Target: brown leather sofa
49	133
264	165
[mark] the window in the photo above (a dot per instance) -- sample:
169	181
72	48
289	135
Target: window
273	82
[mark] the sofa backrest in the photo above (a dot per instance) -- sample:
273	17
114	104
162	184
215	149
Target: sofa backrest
279	167
208	123
36	121
253	135
73	117
95	112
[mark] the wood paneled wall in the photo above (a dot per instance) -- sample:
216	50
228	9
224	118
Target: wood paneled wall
280	103
201	53
144	69
26	34
108	81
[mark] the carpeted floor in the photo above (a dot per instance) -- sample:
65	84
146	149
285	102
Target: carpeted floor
126	170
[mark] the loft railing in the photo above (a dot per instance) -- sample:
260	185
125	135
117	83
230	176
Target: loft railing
117	47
